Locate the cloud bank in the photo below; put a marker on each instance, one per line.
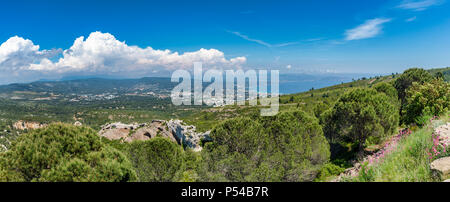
(371, 28)
(102, 53)
(17, 53)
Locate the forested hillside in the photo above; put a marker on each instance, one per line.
(316, 136)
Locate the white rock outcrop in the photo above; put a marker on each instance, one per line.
(117, 131)
(27, 125)
(174, 130)
(187, 135)
(441, 168)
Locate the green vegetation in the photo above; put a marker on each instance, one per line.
(426, 100)
(62, 152)
(408, 162)
(93, 102)
(387, 89)
(362, 114)
(441, 72)
(287, 147)
(314, 137)
(328, 171)
(408, 78)
(156, 160)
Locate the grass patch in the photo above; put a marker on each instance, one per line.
(409, 162)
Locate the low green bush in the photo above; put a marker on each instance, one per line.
(156, 160)
(63, 152)
(327, 171)
(426, 100)
(359, 115)
(287, 147)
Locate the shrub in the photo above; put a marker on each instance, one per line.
(360, 114)
(319, 108)
(409, 162)
(157, 159)
(287, 147)
(387, 89)
(327, 171)
(425, 100)
(234, 142)
(409, 76)
(366, 174)
(300, 139)
(62, 152)
(328, 121)
(405, 81)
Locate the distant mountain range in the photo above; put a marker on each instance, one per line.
(289, 83)
(93, 86)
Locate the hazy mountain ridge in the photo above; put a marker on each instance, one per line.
(294, 83)
(92, 85)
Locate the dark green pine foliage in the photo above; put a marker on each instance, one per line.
(62, 152)
(426, 100)
(406, 80)
(361, 114)
(287, 147)
(156, 160)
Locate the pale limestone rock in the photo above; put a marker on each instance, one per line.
(26, 125)
(187, 135)
(441, 167)
(444, 133)
(174, 130)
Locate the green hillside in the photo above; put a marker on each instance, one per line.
(306, 101)
(445, 72)
(313, 101)
(315, 136)
(320, 103)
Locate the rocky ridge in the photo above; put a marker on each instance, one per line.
(174, 130)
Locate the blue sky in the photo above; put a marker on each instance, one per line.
(130, 37)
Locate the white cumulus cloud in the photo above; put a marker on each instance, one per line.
(368, 29)
(102, 53)
(18, 53)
